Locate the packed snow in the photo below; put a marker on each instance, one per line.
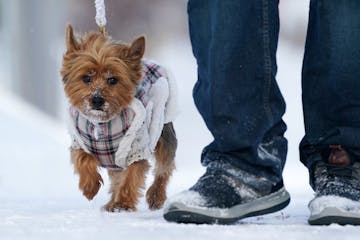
(40, 199)
(347, 205)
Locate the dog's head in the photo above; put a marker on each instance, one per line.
(100, 76)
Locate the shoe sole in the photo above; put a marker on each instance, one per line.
(180, 213)
(334, 215)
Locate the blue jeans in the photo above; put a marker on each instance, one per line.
(235, 43)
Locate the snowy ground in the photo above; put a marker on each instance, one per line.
(38, 191)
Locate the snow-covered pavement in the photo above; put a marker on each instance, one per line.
(76, 219)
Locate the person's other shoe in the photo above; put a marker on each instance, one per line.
(337, 187)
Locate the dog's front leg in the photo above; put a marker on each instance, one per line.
(127, 186)
(86, 166)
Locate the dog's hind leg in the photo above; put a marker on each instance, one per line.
(86, 166)
(126, 186)
(165, 164)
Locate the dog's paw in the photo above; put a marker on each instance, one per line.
(155, 197)
(118, 207)
(90, 185)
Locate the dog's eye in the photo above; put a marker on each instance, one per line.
(112, 80)
(86, 79)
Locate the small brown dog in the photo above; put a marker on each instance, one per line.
(121, 113)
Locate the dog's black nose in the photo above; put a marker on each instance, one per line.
(98, 101)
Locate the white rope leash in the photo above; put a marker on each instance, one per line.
(100, 14)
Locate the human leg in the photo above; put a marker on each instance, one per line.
(234, 42)
(331, 102)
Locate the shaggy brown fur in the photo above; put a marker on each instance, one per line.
(126, 186)
(86, 166)
(165, 154)
(97, 57)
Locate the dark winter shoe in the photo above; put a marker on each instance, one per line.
(337, 186)
(220, 197)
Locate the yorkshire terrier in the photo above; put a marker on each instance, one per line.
(121, 113)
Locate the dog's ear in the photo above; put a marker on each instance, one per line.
(71, 43)
(137, 48)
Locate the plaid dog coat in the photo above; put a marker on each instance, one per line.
(133, 134)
